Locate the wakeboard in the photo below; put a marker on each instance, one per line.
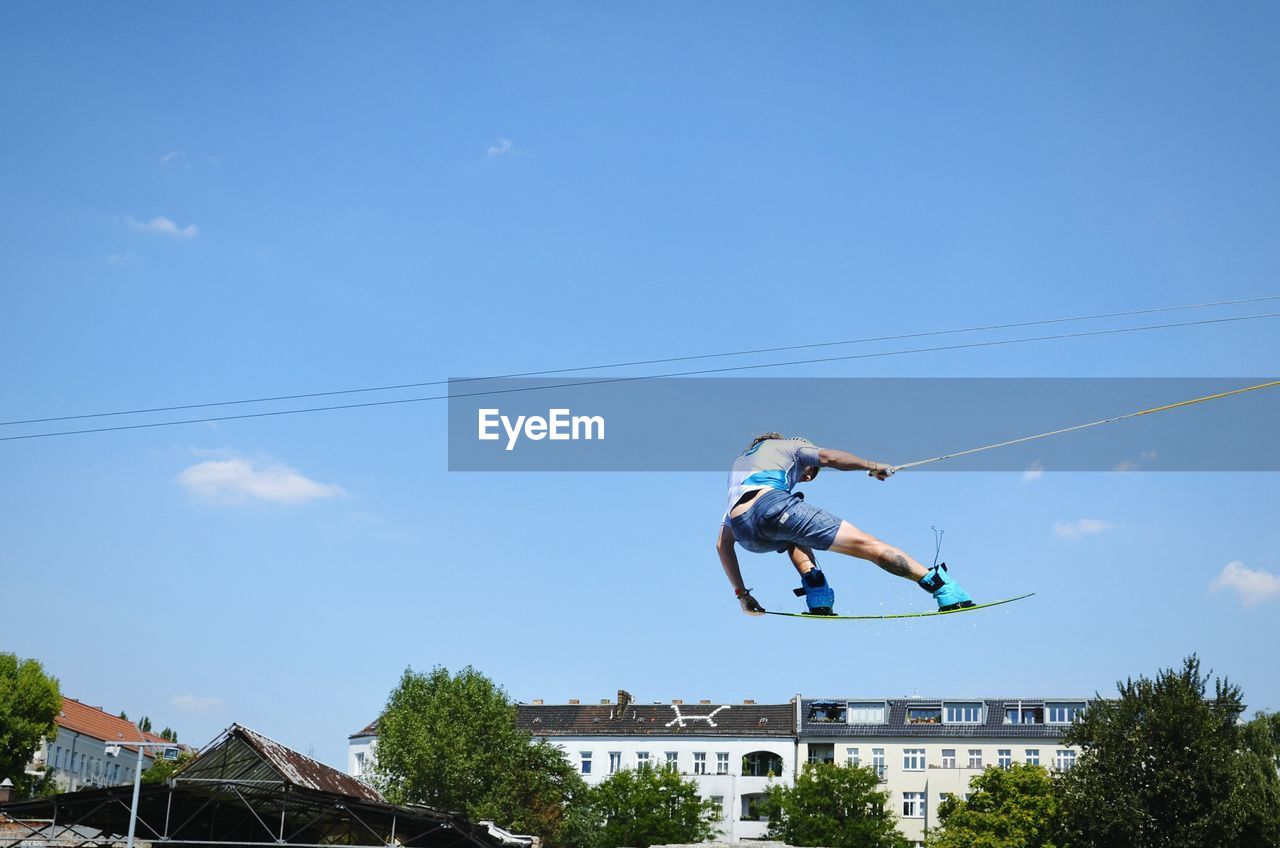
(973, 608)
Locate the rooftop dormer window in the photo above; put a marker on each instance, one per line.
(827, 712)
(1063, 712)
(1024, 714)
(866, 712)
(924, 715)
(966, 712)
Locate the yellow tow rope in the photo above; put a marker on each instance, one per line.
(896, 468)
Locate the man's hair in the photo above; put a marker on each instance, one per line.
(764, 437)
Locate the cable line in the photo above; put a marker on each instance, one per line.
(1166, 407)
(607, 380)
(633, 363)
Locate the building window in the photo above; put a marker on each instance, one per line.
(968, 713)
(827, 712)
(673, 760)
(700, 762)
(585, 757)
(822, 753)
(718, 800)
(866, 712)
(615, 762)
(722, 762)
(359, 763)
(975, 758)
(1023, 714)
(1063, 712)
(642, 759)
(851, 756)
(913, 759)
(948, 757)
(877, 762)
(1004, 758)
(761, 764)
(913, 805)
(1064, 759)
(924, 715)
(1033, 756)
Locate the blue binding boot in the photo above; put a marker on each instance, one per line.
(945, 590)
(819, 597)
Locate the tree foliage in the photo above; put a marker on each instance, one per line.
(161, 769)
(1007, 808)
(836, 806)
(647, 806)
(29, 703)
(450, 742)
(1168, 765)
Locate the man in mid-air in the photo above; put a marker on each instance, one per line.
(765, 515)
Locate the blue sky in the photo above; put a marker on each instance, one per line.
(204, 202)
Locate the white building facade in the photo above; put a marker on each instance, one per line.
(923, 749)
(78, 752)
(926, 749)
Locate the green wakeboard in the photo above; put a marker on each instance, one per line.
(899, 614)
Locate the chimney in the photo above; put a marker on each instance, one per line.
(6, 790)
(746, 701)
(676, 701)
(704, 702)
(604, 701)
(624, 698)
(537, 702)
(574, 701)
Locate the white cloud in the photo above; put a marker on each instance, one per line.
(165, 227)
(117, 258)
(1127, 465)
(235, 480)
(194, 704)
(1034, 472)
(1080, 527)
(504, 147)
(1252, 586)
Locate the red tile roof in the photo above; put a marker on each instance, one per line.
(93, 721)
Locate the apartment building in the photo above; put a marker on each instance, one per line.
(77, 753)
(925, 749)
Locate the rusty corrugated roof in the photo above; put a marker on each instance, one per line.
(300, 770)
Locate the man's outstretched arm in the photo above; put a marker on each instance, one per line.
(845, 461)
(729, 561)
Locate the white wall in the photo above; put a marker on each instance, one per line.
(731, 786)
(80, 761)
(933, 780)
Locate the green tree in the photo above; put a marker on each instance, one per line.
(144, 724)
(451, 742)
(162, 769)
(647, 806)
(169, 734)
(836, 806)
(1168, 765)
(1007, 808)
(29, 703)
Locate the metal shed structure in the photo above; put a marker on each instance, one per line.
(247, 791)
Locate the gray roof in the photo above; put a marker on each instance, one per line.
(657, 719)
(992, 725)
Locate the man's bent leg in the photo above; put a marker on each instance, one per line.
(802, 558)
(853, 542)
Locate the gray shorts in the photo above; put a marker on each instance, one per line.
(777, 520)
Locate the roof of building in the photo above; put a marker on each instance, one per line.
(657, 719)
(992, 724)
(99, 724)
(245, 789)
(244, 754)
